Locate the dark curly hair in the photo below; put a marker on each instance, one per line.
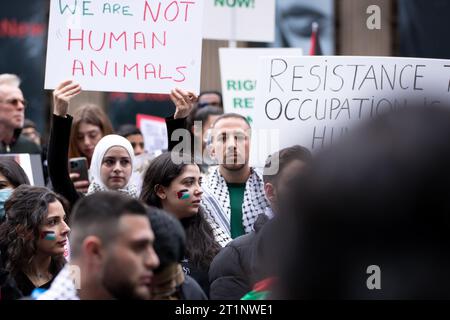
(25, 211)
(201, 246)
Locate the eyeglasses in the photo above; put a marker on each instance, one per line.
(15, 102)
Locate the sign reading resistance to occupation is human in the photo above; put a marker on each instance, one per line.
(148, 46)
(240, 20)
(313, 101)
(238, 72)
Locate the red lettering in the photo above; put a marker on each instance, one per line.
(123, 34)
(103, 42)
(160, 76)
(179, 71)
(94, 65)
(147, 7)
(14, 29)
(76, 39)
(186, 8)
(152, 71)
(154, 37)
(177, 10)
(136, 41)
(74, 67)
(135, 66)
(115, 69)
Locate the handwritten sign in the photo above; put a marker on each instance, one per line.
(239, 71)
(241, 20)
(154, 132)
(313, 101)
(125, 46)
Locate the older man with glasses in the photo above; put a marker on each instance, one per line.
(12, 114)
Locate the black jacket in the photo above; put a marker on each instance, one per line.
(58, 158)
(58, 150)
(241, 264)
(20, 144)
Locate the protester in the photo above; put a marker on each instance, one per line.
(370, 218)
(234, 193)
(30, 131)
(111, 162)
(176, 188)
(170, 282)
(112, 251)
(11, 176)
(134, 135)
(242, 263)
(33, 238)
(12, 114)
(200, 125)
(210, 98)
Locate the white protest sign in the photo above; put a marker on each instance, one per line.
(240, 20)
(239, 71)
(154, 131)
(125, 46)
(312, 101)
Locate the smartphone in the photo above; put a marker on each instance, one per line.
(80, 166)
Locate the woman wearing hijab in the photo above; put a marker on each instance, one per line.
(111, 166)
(112, 160)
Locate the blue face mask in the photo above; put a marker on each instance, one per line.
(4, 195)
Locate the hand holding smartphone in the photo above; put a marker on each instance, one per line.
(79, 166)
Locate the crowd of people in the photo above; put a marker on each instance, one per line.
(204, 224)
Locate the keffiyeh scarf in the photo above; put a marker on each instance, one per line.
(216, 201)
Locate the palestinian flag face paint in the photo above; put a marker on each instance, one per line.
(183, 194)
(48, 235)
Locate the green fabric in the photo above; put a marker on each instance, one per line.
(236, 191)
(256, 295)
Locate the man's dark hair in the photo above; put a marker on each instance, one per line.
(282, 158)
(98, 215)
(203, 113)
(29, 124)
(128, 130)
(170, 238)
(231, 115)
(210, 92)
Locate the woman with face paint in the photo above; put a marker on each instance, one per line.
(176, 188)
(33, 238)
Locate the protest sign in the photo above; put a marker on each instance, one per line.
(154, 132)
(240, 20)
(238, 71)
(126, 46)
(313, 101)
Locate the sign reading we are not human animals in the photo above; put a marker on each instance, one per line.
(125, 46)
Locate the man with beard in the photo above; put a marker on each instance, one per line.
(111, 249)
(12, 115)
(234, 192)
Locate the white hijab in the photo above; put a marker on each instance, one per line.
(106, 143)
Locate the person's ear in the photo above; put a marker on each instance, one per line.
(160, 192)
(93, 249)
(269, 190)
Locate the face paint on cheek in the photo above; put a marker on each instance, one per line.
(48, 235)
(183, 194)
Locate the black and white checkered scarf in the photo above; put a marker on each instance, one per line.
(216, 202)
